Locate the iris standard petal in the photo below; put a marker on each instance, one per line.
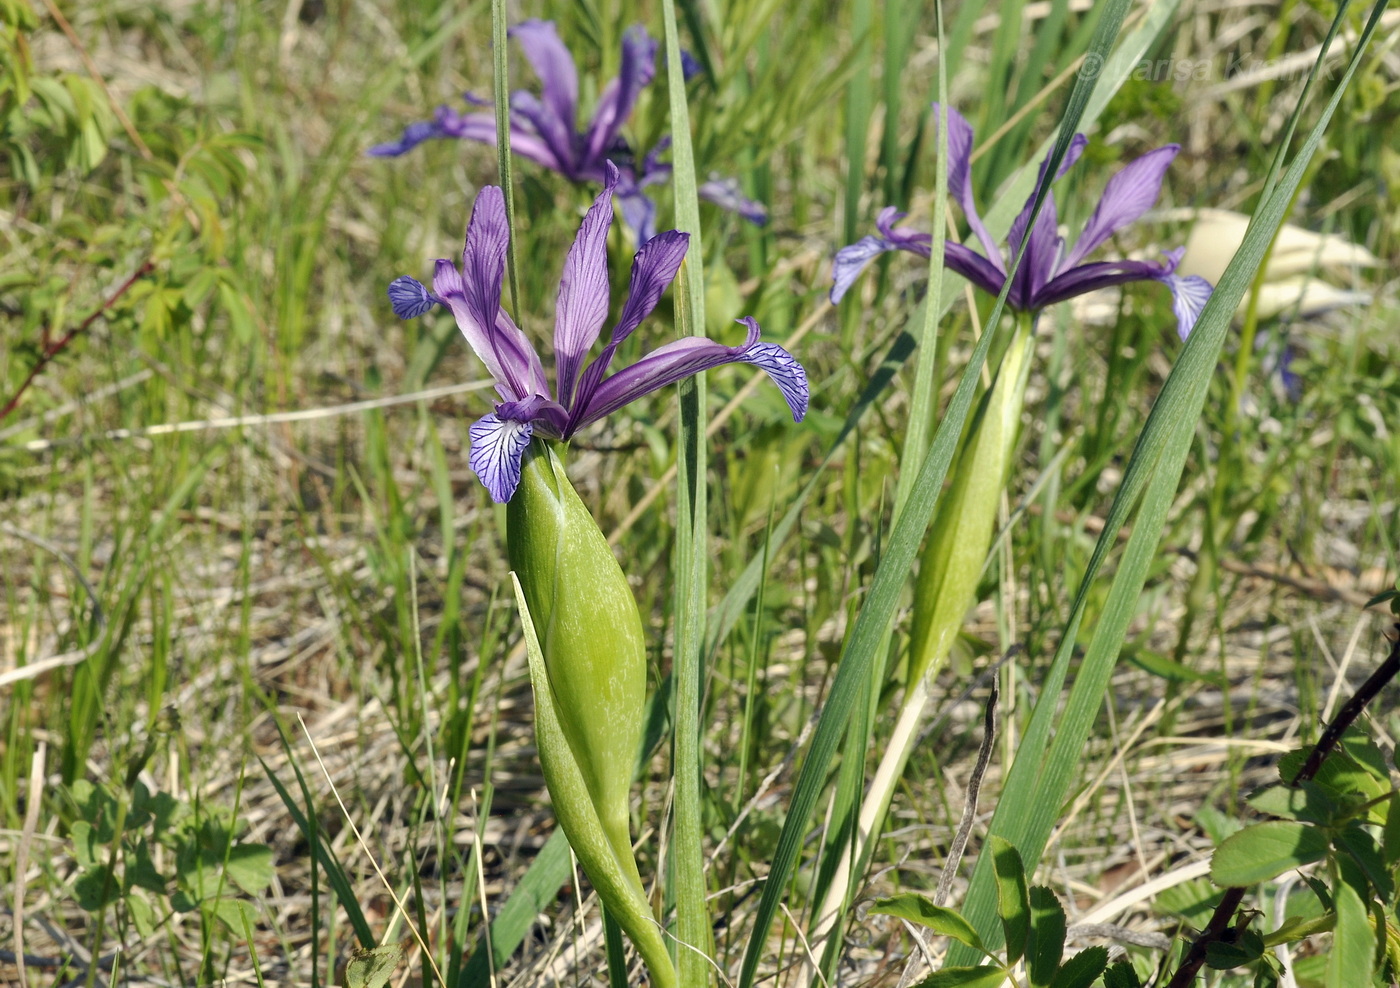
(553, 64)
(410, 298)
(960, 179)
(529, 114)
(653, 268)
(583, 292)
(1077, 145)
(691, 355)
(497, 447)
(1128, 194)
(619, 96)
(1042, 255)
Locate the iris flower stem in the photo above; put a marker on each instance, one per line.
(965, 524)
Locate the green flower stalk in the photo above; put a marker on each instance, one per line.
(587, 653)
(589, 674)
(951, 566)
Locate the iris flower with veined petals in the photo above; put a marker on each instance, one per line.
(1047, 274)
(582, 394)
(545, 130)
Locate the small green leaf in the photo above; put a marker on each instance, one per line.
(249, 866)
(1247, 948)
(1309, 802)
(373, 968)
(1047, 937)
(96, 889)
(1121, 975)
(143, 917)
(1081, 969)
(141, 871)
(984, 976)
(85, 845)
(1266, 850)
(1362, 848)
(237, 914)
(1013, 902)
(1350, 962)
(920, 909)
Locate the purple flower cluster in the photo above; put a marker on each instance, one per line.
(581, 394)
(1047, 274)
(545, 130)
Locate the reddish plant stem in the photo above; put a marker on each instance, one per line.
(51, 348)
(1225, 911)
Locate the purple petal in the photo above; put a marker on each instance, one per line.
(554, 65)
(583, 292)
(1129, 194)
(974, 267)
(619, 96)
(1189, 297)
(688, 356)
(497, 447)
(413, 135)
(410, 298)
(474, 296)
(653, 268)
(1018, 225)
(727, 194)
(960, 179)
(690, 68)
(1043, 252)
(1095, 275)
(538, 122)
(851, 260)
(639, 213)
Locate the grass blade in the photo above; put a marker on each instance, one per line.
(688, 861)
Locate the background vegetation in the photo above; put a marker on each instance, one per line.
(260, 670)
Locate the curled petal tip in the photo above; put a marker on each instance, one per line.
(410, 298)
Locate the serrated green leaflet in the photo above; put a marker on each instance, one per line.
(374, 967)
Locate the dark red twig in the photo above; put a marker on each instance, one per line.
(1225, 911)
(52, 348)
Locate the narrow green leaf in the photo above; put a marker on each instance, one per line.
(1266, 850)
(1046, 944)
(325, 854)
(693, 928)
(1351, 959)
(921, 910)
(1013, 901)
(1082, 969)
(537, 889)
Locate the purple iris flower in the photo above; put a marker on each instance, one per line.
(1048, 274)
(545, 128)
(582, 394)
